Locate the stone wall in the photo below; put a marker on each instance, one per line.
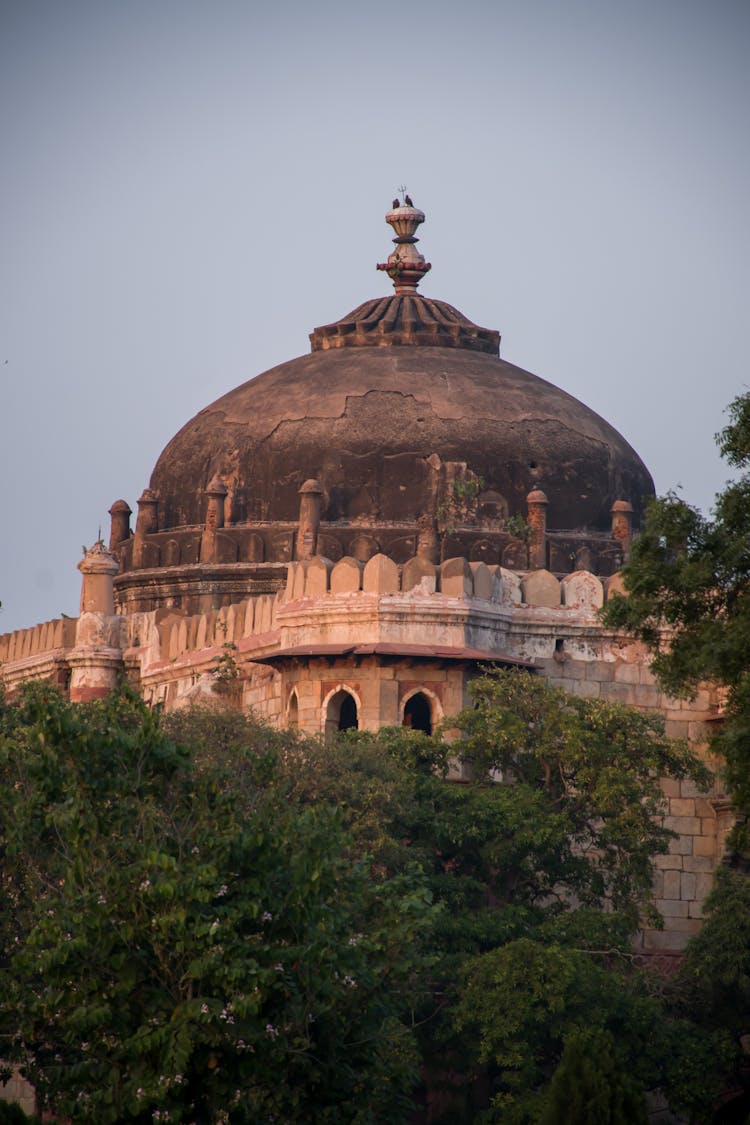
(18, 1090)
(38, 653)
(39, 639)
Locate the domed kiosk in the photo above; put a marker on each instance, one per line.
(417, 437)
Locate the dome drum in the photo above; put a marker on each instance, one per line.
(253, 560)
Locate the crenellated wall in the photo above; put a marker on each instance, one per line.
(455, 577)
(38, 653)
(37, 640)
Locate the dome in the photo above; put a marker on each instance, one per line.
(417, 438)
(376, 424)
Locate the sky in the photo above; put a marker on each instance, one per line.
(189, 188)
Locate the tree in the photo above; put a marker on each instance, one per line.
(178, 943)
(718, 958)
(688, 599)
(542, 867)
(715, 977)
(589, 1087)
(203, 861)
(688, 586)
(582, 775)
(12, 1114)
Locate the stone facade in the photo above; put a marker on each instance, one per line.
(18, 1090)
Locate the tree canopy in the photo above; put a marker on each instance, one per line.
(204, 920)
(688, 587)
(688, 599)
(180, 944)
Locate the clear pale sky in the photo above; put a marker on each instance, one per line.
(189, 188)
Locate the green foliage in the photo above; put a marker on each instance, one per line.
(206, 918)
(12, 1114)
(588, 1087)
(467, 489)
(178, 939)
(542, 869)
(688, 583)
(734, 439)
(226, 672)
(520, 528)
(526, 1001)
(715, 977)
(592, 768)
(569, 861)
(458, 503)
(718, 959)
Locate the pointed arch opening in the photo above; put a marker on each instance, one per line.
(418, 712)
(341, 713)
(292, 714)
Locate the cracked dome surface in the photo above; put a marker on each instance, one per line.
(371, 423)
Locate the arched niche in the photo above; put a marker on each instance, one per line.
(419, 712)
(341, 712)
(492, 507)
(292, 712)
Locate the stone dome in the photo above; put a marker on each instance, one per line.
(402, 432)
(374, 419)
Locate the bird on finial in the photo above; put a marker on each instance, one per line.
(407, 201)
(396, 203)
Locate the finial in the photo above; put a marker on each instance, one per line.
(405, 266)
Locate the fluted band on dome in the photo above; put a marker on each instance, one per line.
(405, 320)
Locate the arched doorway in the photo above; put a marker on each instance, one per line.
(341, 713)
(418, 713)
